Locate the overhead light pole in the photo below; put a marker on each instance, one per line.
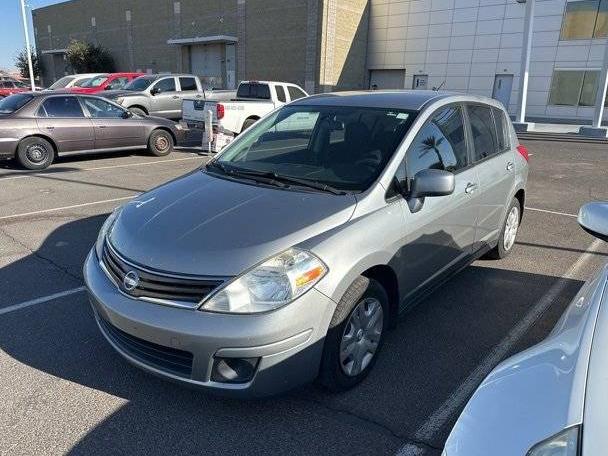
(27, 45)
(525, 64)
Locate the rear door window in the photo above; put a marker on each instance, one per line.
(280, 93)
(187, 84)
(483, 131)
(61, 107)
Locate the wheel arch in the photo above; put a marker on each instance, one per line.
(168, 130)
(143, 108)
(387, 277)
(38, 135)
(520, 195)
(255, 118)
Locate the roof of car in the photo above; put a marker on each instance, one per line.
(403, 99)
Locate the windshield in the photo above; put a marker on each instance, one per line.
(343, 147)
(12, 103)
(62, 83)
(95, 82)
(139, 84)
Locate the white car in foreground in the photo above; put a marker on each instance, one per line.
(552, 399)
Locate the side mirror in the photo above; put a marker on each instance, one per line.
(429, 183)
(593, 218)
(155, 91)
(127, 114)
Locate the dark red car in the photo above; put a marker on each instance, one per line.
(8, 87)
(110, 81)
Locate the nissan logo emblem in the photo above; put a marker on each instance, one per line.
(130, 281)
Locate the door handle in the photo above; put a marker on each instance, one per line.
(470, 188)
(175, 97)
(102, 126)
(50, 128)
(509, 166)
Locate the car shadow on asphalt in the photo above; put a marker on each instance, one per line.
(433, 349)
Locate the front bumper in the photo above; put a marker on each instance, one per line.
(8, 146)
(288, 341)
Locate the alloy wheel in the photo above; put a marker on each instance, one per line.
(361, 336)
(511, 228)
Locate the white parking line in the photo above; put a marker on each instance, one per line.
(33, 302)
(457, 399)
(550, 212)
(126, 165)
(74, 206)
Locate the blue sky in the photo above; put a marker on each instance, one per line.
(11, 32)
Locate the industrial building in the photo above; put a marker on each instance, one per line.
(464, 45)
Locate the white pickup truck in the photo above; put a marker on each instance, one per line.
(254, 99)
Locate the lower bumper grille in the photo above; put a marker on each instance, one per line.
(172, 360)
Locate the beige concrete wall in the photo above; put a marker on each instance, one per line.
(344, 26)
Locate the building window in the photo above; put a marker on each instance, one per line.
(585, 19)
(574, 88)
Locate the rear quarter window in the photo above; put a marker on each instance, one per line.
(502, 129)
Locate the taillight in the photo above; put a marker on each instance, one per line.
(220, 111)
(523, 152)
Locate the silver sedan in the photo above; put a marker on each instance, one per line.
(539, 402)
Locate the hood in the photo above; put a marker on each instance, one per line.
(86, 89)
(120, 93)
(205, 225)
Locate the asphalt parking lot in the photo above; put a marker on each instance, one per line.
(65, 391)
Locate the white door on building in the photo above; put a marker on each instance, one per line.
(503, 83)
(387, 79)
(206, 63)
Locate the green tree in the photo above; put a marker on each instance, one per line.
(84, 57)
(21, 64)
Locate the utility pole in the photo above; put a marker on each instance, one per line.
(27, 45)
(525, 62)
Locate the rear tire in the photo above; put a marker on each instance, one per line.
(508, 234)
(160, 143)
(248, 123)
(35, 153)
(355, 335)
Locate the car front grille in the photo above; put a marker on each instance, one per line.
(167, 359)
(155, 287)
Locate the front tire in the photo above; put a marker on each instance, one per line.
(508, 234)
(355, 335)
(160, 143)
(35, 153)
(138, 111)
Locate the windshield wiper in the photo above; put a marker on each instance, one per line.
(247, 174)
(291, 180)
(273, 178)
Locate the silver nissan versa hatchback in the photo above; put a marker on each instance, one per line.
(290, 254)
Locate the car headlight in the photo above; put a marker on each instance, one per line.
(119, 100)
(564, 443)
(105, 229)
(272, 284)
